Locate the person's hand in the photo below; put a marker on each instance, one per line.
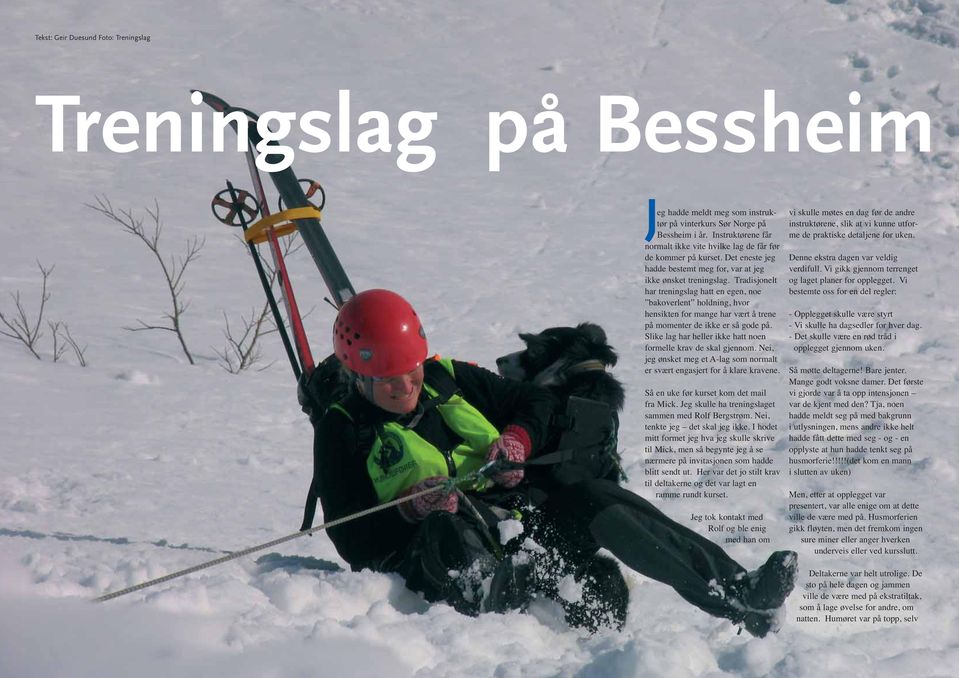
(417, 509)
(512, 446)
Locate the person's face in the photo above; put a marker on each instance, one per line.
(398, 394)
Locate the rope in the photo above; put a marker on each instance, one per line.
(448, 486)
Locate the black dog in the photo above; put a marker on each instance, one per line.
(572, 362)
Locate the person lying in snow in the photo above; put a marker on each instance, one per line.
(410, 423)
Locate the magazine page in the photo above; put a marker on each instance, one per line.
(709, 246)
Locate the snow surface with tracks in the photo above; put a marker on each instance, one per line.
(140, 464)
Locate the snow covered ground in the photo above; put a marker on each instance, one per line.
(140, 464)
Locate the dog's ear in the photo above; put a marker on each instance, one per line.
(608, 356)
(597, 336)
(593, 332)
(537, 345)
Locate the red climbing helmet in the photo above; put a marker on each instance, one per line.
(378, 334)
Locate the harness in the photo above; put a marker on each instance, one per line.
(588, 443)
(397, 457)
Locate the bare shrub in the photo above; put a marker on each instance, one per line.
(173, 267)
(243, 350)
(20, 327)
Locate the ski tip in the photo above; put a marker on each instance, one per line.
(211, 100)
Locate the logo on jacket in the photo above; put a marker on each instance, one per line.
(390, 452)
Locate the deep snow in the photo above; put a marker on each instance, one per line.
(139, 464)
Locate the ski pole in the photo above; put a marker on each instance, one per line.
(270, 298)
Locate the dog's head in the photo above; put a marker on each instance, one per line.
(550, 354)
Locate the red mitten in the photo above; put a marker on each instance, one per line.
(513, 445)
(417, 509)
